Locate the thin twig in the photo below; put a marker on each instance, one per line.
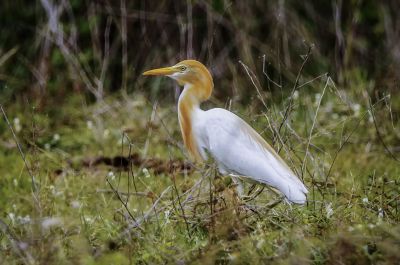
(312, 80)
(125, 204)
(156, 203)
(180, 205)
(16, 244)
(106, 52)
(266, 73)
(34, 187)
(346, 141)
(124, 46)
(189, 30)
(379, 134)
(290, 106)
(139, 194)
(212, 205)
(252, 76)
(53, 12)
(151, 210)
(4, 57)
(312, 128)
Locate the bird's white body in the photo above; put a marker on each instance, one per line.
(233, 145)
(236, 147)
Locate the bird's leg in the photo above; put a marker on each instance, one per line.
(239, 185)
(254, 192)
(251, 189)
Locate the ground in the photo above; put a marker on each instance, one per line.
(114, 185)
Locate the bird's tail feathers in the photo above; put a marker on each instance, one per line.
(293, 189)
(296, 195)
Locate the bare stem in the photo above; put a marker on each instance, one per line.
(295, 87)
(34, 187)
(15, 244)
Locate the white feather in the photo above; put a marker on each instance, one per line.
(239, 150)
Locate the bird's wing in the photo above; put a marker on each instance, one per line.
(240, 149)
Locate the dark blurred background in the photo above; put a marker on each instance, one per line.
(50, 49)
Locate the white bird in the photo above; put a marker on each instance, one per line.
(235, 146)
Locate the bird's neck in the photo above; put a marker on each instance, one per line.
(188, 107)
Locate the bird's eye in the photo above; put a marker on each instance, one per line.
(182, 68)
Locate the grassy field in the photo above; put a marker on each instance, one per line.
(114, 186)
(92, 165)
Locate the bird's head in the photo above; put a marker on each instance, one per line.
(188, 72)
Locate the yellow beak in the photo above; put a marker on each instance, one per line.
(161, 71)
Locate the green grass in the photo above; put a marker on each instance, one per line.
(352, 216)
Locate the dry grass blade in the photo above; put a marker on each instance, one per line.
(254, 80)
(8, 55)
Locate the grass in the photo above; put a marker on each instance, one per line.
(83, 215)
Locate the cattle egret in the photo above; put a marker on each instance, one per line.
(235, 146)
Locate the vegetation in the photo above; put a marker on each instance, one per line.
(92, 167)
